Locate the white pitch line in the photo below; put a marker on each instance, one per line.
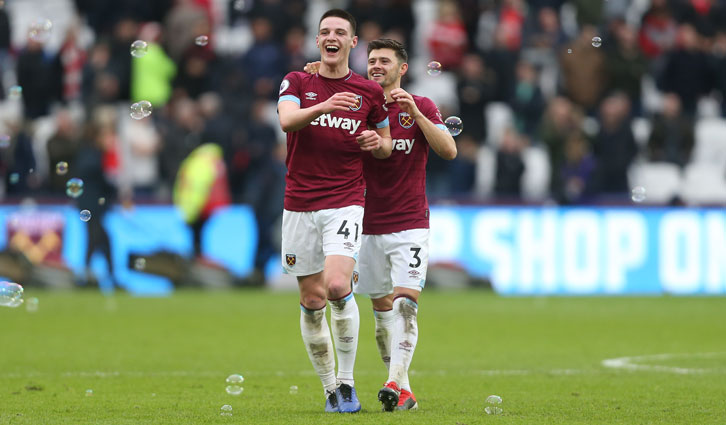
(209, 374)
(634, 363)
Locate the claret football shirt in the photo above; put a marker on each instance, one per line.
(324, 161)
(396, 194)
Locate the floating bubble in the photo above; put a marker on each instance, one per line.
(85, 215)
(139, 48)
(61, 168)
(226, 410)
(434, 68)
(146, 107)
(493, 402)
(74, 187)
(596, 41)
(140, 263)
(39, 30)
(638, 194)
(15, 92)
(239, 5)
(4, 141)
(137, 111)
(89, 392)
(293, 389)
(569, 51)
(14, 178)
(202, 40)
(454, 125)
(32, 305)
(234, 384)
(11, 294)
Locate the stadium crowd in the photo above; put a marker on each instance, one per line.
(548, 90)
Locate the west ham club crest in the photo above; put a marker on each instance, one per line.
(290, 259)
(405, 120)
(358, 103)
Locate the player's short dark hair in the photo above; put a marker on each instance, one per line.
(339, 13)
(387, 43)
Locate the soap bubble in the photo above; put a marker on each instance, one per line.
(139, 49)
(434, 68)
(454, 125)
(493, 402)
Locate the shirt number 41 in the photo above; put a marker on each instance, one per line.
(343, 230)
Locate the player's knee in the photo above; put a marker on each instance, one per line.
(313, 301)
(338, 287)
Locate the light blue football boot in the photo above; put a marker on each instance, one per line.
(347, 399)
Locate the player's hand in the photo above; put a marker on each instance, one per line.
(339, 102)
(405, 102)
(312, 67)
(369, 140)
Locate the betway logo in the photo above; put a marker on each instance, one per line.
(326, 120)
(403, 145)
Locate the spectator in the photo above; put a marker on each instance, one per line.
(91, 166)
(717, 59)
(544, 31)
(19, 160)
(658, 30)
(39, 74)
(72, 58)
(687, 71)
(62, 146)
(263, 63)
(180, 134)
(503, 61)
(509, 165)
(183, 24)
(447, 39)
(527, 102)
(153, 73)
(584, 70)
(475, 88)
(614, 145)
(101, 82)
(672, 134)
(561, 119)
(577, 171)
(626, 65)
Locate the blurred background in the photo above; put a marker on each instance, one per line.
(140, 149)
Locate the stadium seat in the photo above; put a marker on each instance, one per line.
(703, 184)
(641, 131)
(661, 180)
(536, 177)
(710, 143)
(499, 117)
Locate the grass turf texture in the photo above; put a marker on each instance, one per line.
(165, 360)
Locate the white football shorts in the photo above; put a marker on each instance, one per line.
(310, 236)
(394, 259)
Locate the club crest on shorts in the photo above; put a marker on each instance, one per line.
(405, 120)
(290, 259)
(355, 278)
(358, 103)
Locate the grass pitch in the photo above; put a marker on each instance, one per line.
(165, 360)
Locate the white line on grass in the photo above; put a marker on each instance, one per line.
(636, 363)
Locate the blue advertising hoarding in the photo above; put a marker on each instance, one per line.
(585, 250)
(523, 250)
